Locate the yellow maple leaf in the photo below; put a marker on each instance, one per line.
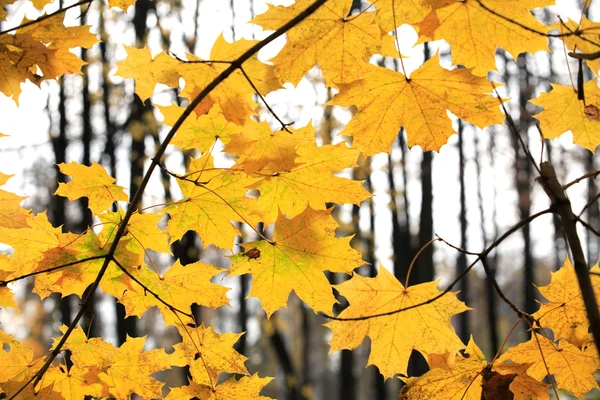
(199, 131)
(564, 312)
(12, 215)
(74, 382)
(130, 369)
(564, 112)
(463, 23)
(75, 278)
(387, 100)
(54, 34)
(122, 4)
(303, 248)
(245, 388)
(87, 352)
(393, 13)
(213, 198)
(260, 149)
(312, 182)
(92, 182)
(142, 230)
(573, 369)
(461, 379)
(521, 385)
(208, 354)
(235, 94)
(148, 71)
(340, 45)
(15, 359)
(30, 243)
(44, 45)
(425, 328)
(587, 31)
(180, 286)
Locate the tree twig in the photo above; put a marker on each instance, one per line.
(284, 125)
(147, 289)
(592, 175)
(4, 283)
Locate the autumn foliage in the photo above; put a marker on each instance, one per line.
(286, 178)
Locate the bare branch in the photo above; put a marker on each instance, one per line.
(4, 283)
(592, 175)
(284, 125)
(509, 232)
(148, 290)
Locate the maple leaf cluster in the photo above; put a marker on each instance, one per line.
(284, 178)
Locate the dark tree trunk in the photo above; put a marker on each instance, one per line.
(492, 313)
(461, 263)
(522, 179)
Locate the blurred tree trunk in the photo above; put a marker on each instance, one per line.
(593, 212)
(401, 237)
(461, 262)
(140, 124)
(492, 312)
(522, 182)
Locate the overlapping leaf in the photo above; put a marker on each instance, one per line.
(564, 312)
(572, 368)
(180, 287)
(312, 182)
(459, 379)
(213, 198)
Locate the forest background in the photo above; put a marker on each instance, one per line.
(476, 187)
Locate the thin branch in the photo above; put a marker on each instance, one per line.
(175, 56)
(588, 205)
(506, 234)
(588, 226)
(147, 289)
(592, 175)
(513, 127)
(155, 161)
(284, 125)
(44, 17)
(486, 266)
(4, 283)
